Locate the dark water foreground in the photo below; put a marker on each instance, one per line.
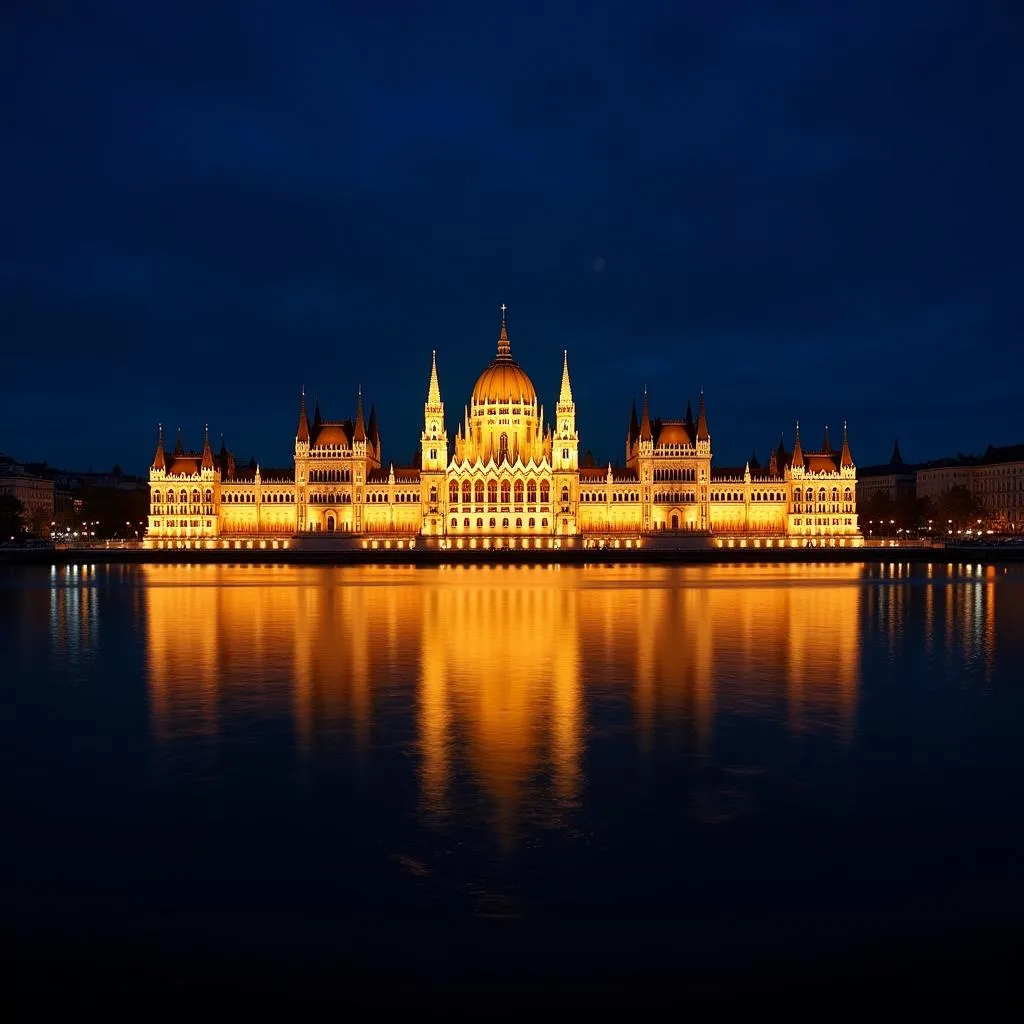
(545, 786)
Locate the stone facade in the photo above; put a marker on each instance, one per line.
(506, 479)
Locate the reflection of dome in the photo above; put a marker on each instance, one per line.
(504, 380)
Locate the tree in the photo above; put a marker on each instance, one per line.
(959, 505)
(12, 521)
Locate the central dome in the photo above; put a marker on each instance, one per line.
(504, 380)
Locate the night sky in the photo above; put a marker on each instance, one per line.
(816, 215)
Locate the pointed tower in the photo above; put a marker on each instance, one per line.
(179, 446)
(565, 444)
(359, 433)
(302, 431)
(373, 433)
(797, 462)
(433, 458)
(703, 445)
(846, 459)
(159, 461)
(157, 476)
(633, 434)
(897, 458)
(703, 434)
(691, 427)
(317, 418)
(566, 441)
(301, 458)
(646, 434)
(206, 466)
(827, 444)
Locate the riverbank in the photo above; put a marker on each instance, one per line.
(973, 554)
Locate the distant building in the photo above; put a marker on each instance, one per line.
(34, 493)
(507, 479)
(894, 479)
(995, 480)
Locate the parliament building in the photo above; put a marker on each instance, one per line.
(507, 479)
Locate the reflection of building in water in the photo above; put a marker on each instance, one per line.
(490, 663)
(74, 611)
(500, 678)
(728, 640)
(245, 641)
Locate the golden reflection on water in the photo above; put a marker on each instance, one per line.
(501, 671)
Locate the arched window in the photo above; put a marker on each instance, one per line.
(503, 448)
(492, 491)
(184, 497)
(465, 524)
(453, 492)
(519, 492)
(519, 524)
(835, 493)
(798, 495)
(455, 523)
(545, 492)
(208, 498)
(492, 525)
(504, 523)
(433, 495)
(847, 495)
(479, 524)
(821, 494)
(156, 497)
(533, 523)
(467, 492)
(506, 492)
(531, 492)
(478, 492)
(565, 495)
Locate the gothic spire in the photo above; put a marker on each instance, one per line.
(179, 445)
(504, 348)
(798, 452)
(846, 460)
(690, 427)
(827, 446)
(302, 432)
(372, 432)
(645, 421)
(360, 427)
(634, 425)
(207, 450)
(434, 390)
(703, 434)
(317, 419)
(565, 394)
(897, 459)
(159, 462)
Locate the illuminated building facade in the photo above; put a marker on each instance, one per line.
(507, 479)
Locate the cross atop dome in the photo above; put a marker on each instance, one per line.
(504, 348)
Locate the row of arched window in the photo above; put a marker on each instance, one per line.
(675, 474)
(673, 497)
(341, 476)
(471, 492)
(755, 496)
(823, 495)
(492, 523)
(329, 498)
(381, 497)
(589, 496)
(183, 496)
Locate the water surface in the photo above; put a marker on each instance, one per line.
(372, 762)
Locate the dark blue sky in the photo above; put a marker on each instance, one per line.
(812, 209)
